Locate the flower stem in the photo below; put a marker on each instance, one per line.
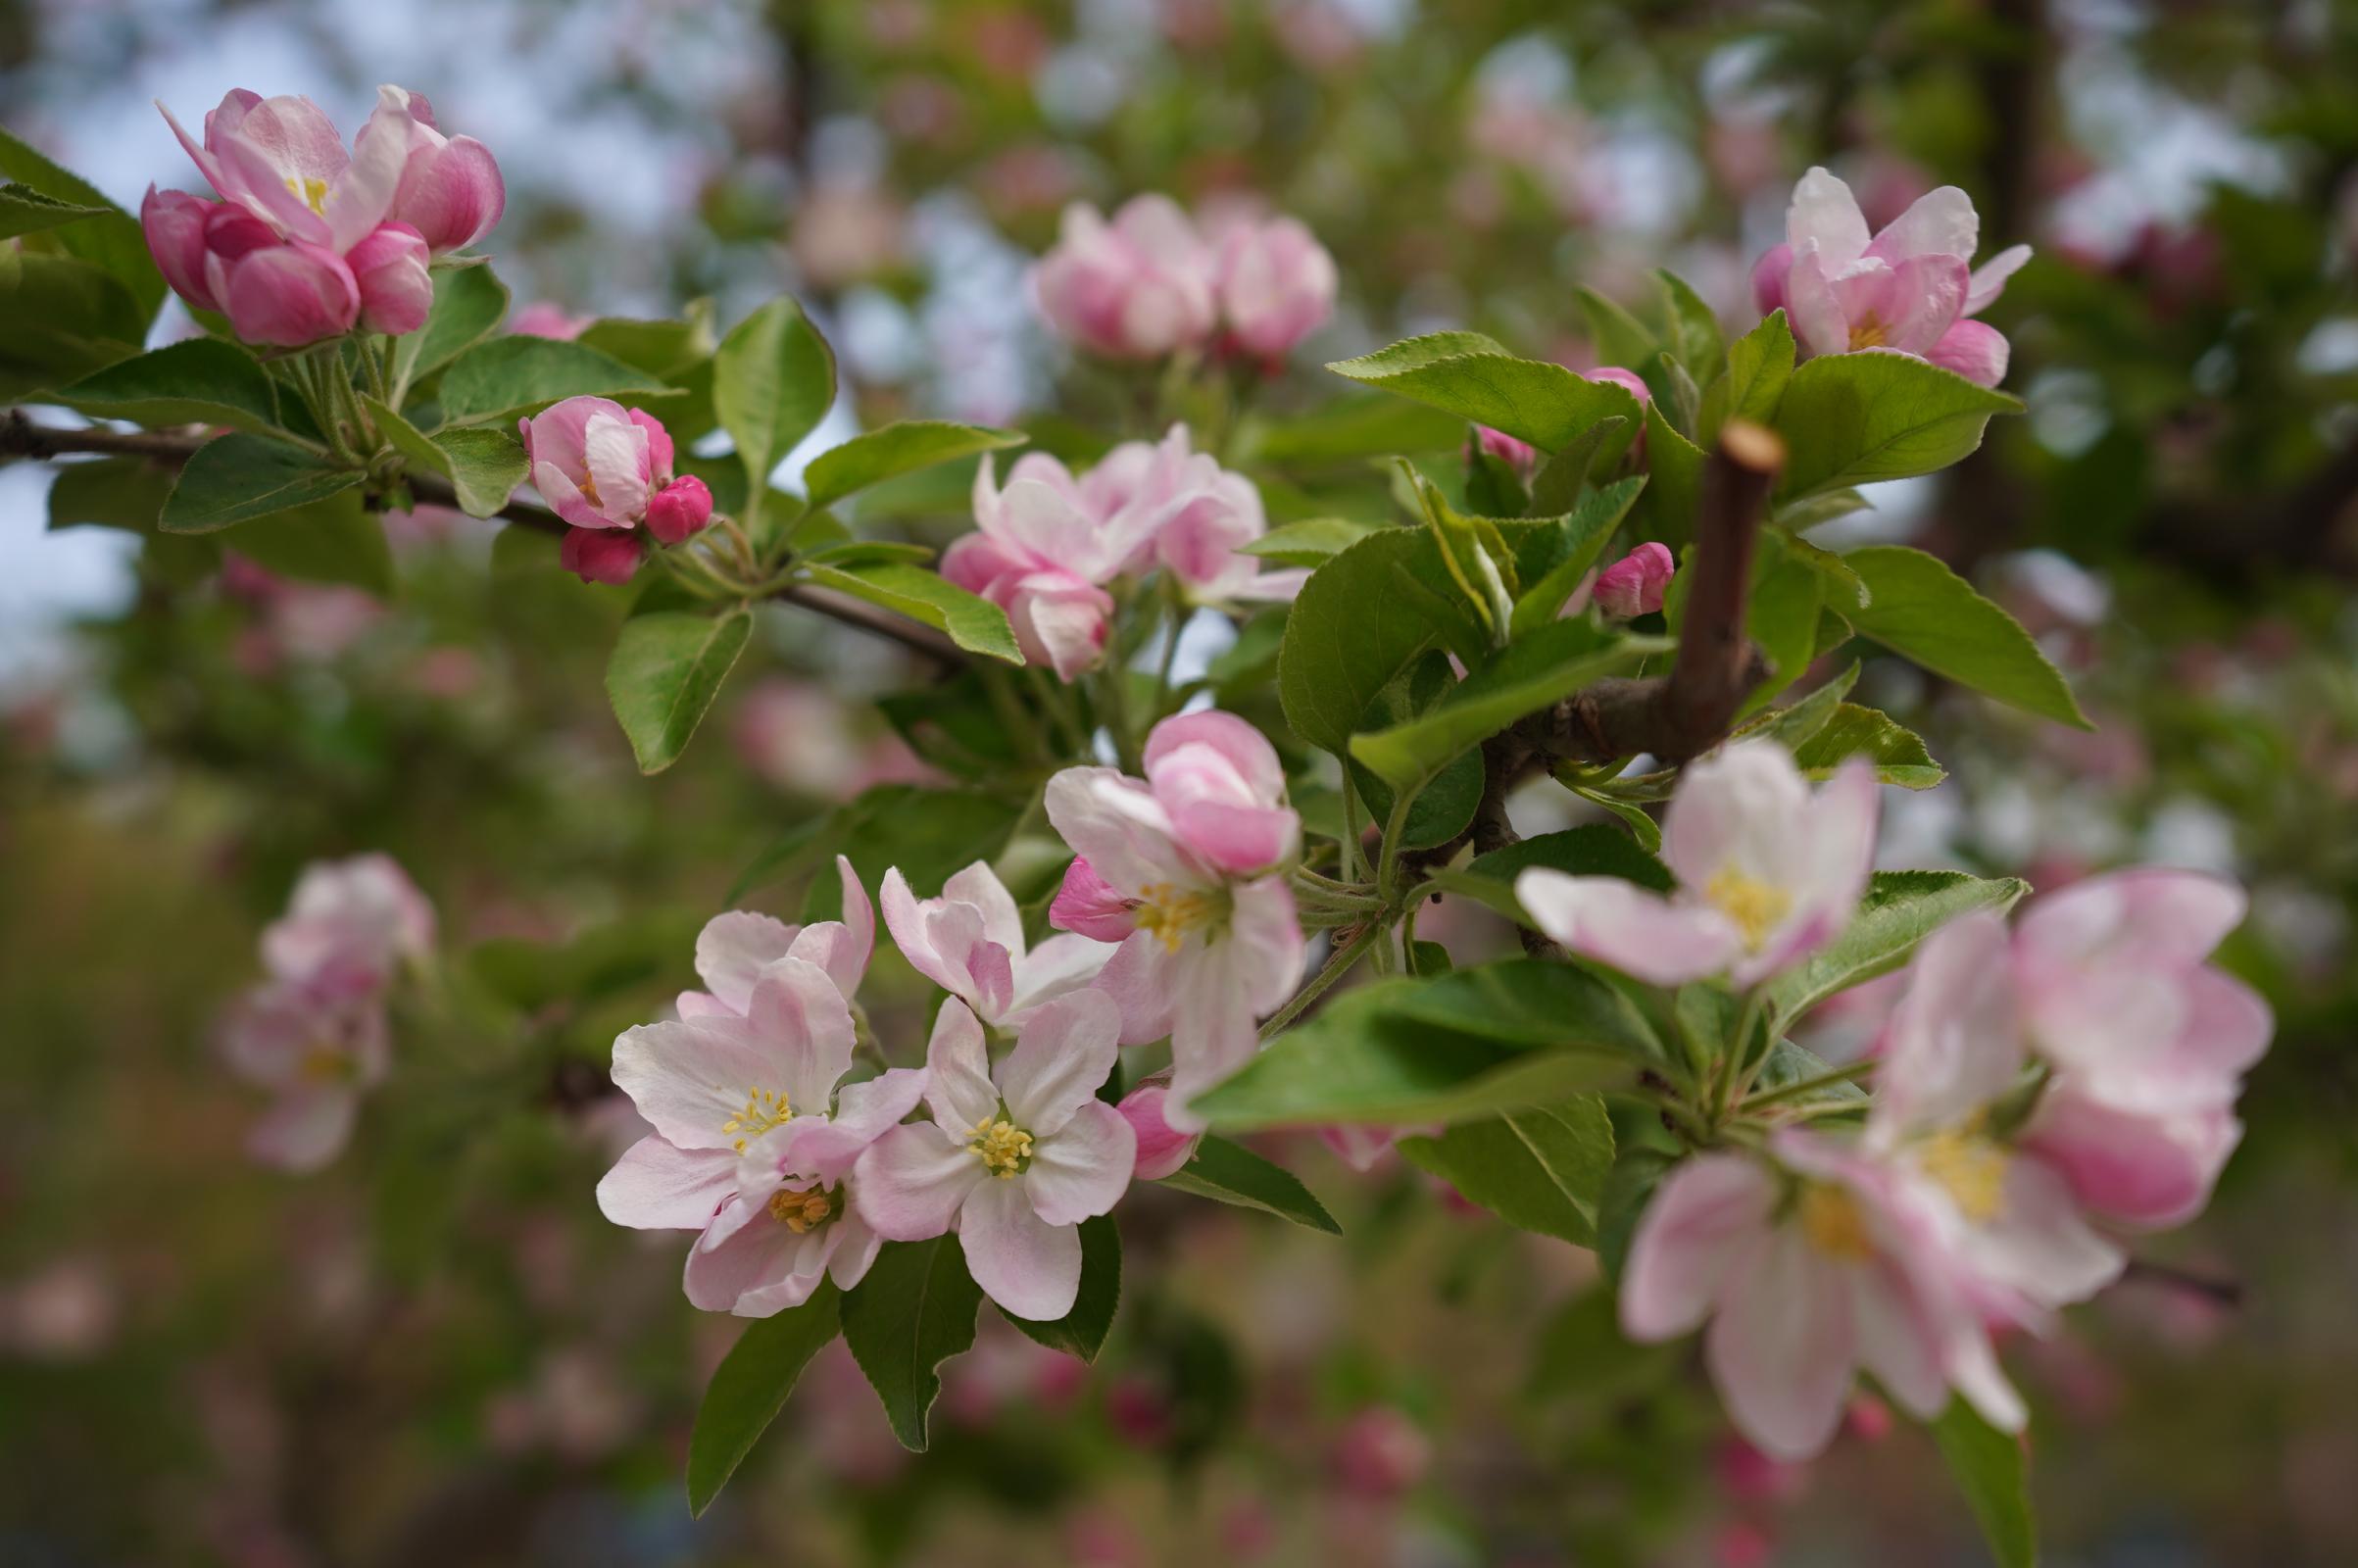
(1336, 966)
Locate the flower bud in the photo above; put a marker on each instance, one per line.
(1634, 585)
(1161, 1149)
(1518, 455)
(284, 294)
(600, 554)
(396, 289)
(1137, 288)
(173, 223)
(679, 509)
(1277, 285)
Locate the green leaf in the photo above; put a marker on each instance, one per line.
(1620, 338)
(1344, 428)
(1551, 664)
(1759, 364)
(665, 348)
(1676, 466)
(928, 833)
(773, 379)
(1578, 542)
(497, 381)
(1542, 1169)
(1471, 376)
(60, 318)
(665, 672)
(484, 466)
(126, 493)
(1899, 753)
(749, 1387)
(1928, 614)
(1781, 616)
(915, 1310)
(324, 541)
(1082, 1330)
(1995, 1476)
(1562, 479)
(111, 240)
(1793, 725)
(26, 210)
(1308, 542)
(1848, 418)
(1627, 1190)
(894, 449)
(971, 621)
(1592, 849)
(238, 478)
(1900, 910)
(201, 381)
(469, 303)
(1696, 340)
(1500, 1037)
(1444, 807)
(1810, 512)
(1234, 1174)
(1354, 627)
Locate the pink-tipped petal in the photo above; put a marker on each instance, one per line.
(655, 1186)
(1691, 1234)
(1628, 928)
(1030, 1267)
(1066, 1051)
(911, 1183)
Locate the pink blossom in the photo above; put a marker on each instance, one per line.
(1041, 548)
(315, 1047)
(1364, 1148)
(756, 1137)
(600, 554)
(1518, 455)
(1911, 288)
(1013, 1161)
(734, 949)
(1809, 1269)
(282, 160)
(349, 925)
(1204, 516)
(1629, 381)
(1138, 287)
(596, 463)
(1768, 872)
(1276, 285)
(1635, 584)
(1381, 1454)
(970, 942)
(173, 223)
(540, 319)
(1192, 858)
(679, 509)
(451, 191)
(1161, 1148)
(389, 268)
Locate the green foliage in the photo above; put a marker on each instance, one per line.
(1993, 1474)
(1900, 910)
(1234, 1174)
(1473, 377)
(1574, 543)
(751, 1387)
(971, 621)
(875, 456)
(663, 673)
(237, 477)
(1899, 753)
(773, 379)
(1309, 542)
(331, 541)
(483, 466)
(913, 1311)
(500, 380)
(60, 318)
(1848, 418)
(1082, 1330)
(1922, 610)
(469, 302)
(106, 238)
(1542, 1168)
(1354, 627)
(199, 381)
(26, 210)
(928, 833)
(1759, 364)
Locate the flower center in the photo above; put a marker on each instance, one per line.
(802, 1212)
(1170, 912)
(1831, 1220)
(324, 1064)
(1004, 1149)
(1971, 1169)
(312, 189)
(1869, 333)
(588, 486)
(1754, 904)
(762, 1111)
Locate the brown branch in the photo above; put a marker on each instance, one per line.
(1687, 711)
(21, 437)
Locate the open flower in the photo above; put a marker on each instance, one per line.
(1186, 870)
(1013, 1161)
(317, 1047)
(1204, 516)
(1041, 552)
(1809, 1269)
(734, 949)
(1768, 872)
(753, 1145)
(1276, 285)
(349, 925)
(1911, 288)
(1138, 287)
(970, 943)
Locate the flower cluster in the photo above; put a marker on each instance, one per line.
(1154, 282)
(1048, 543)
(1911, 289)
(314, 1033)
(605, 470)
(308, 240)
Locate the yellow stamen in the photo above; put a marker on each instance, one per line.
(1831, 1220)
(1170, 912)
(802, 1213)
(589, 491)
(1868, 334)
(1004, 1148)
(762, 1111)
(312, 190)
(1970, 1168)
(1754, 904)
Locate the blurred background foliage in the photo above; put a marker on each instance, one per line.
(438, 1350)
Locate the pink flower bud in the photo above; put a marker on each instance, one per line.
(1277, 285)
(1632, 585)
(284, 294)
(1629, 381)
(679, 509)
(1975, 350)
(1090, 906)
(175, 224)
(543, 320)
(451, 191)
(1768, 278)
(596, 463)
(1518, 455)
(600, 554)
(1161, 1150)
(1138, 287)
(396, 289)
(1381, 1454)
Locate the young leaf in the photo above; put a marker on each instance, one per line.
(1928, 614)
(1594, 850)
(1542, 1169)
(883, 454)
(497, 381)
(1900, 910)
(1848, 418)
(1782, 617)
(1696, 340)
(1354, 627)
(971, 621)
(773, 379)
(236, 478)
(1231, 1173)
(915, 1310)
(1309, 542)
(1759, 364)
(26, 210)
(1675, 466)
(60, 318)
(1574, 545)
(201, 381)
(1082, 1330)
(1795, 724)
(1620, 337)
(483, 465)
(1471, 376)
(1899, 753)
(749, 1387)
(1346, 428)
(665, 672)
(110, 241)
(1994, 1477)
(468, 305)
